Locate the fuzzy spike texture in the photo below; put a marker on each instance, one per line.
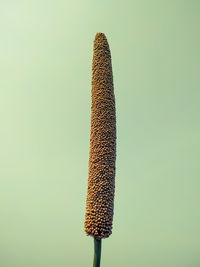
(102, 156)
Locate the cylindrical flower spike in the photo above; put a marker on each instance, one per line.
(102, 156)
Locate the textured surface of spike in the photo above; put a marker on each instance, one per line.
(102, 156)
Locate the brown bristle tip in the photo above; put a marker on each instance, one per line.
(100, 35)
(100, 38)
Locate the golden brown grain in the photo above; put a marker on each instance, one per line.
(102, 156)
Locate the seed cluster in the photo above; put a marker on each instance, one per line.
(102, 156)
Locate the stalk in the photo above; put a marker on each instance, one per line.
(97, 252)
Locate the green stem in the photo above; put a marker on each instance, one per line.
(97, 252)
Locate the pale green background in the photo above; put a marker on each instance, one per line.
(45, 76)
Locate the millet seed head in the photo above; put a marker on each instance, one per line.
(102, 155)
